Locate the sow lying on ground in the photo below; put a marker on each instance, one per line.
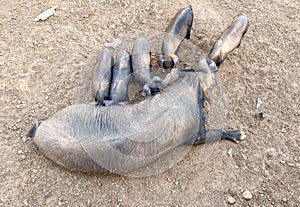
(115, 136)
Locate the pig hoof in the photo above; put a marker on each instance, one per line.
(146, 91)
(243, 136)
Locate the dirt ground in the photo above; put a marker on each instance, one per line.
(41, 63)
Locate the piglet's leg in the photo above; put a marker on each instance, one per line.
(229, 40)
(141, 67)
(102, 76)
(118, 93)
(178, 29)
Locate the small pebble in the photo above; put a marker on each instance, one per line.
(259, 102)
(234, 190)
(25, 202)
(20, 152)
(231, 200)
(291, 164)
(260, 116)
(247, 195)
(244, 156)
(271, 153)
(230, 152)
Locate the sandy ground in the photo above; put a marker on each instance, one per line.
(41, 63)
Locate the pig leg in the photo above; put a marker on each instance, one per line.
(141, 67)
(102, 76)
(121, 74)
(178, 29)
(214, 135)
(229, 40)
(152, 87)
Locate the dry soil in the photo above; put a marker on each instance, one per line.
(41, 63)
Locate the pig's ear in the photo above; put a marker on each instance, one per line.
(229, 40)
